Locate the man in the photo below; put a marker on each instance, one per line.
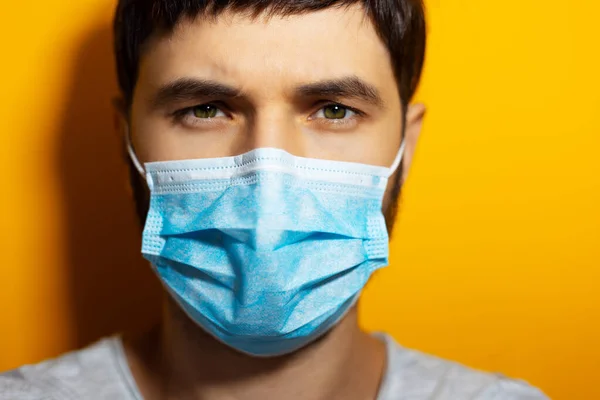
(267, 139)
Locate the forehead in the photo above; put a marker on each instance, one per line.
(270, 51)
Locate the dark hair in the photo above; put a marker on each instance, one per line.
(399, 23)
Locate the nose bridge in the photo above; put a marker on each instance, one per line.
(276, 125)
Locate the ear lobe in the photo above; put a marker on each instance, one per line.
(414, 121)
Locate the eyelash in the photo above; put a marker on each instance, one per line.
(180, 115)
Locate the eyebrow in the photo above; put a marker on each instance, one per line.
(350, 87)
(189, 89)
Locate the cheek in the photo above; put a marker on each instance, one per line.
(386, 139)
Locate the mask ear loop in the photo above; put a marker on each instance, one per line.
(398, 158)
(132, 155)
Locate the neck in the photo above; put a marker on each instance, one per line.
(190, 364)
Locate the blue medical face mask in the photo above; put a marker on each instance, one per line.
(266, 251)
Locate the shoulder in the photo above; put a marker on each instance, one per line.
(511, 389)
(13, 385)
(415, 375)
(89, 373)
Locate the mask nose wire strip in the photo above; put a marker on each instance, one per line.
(142, 171)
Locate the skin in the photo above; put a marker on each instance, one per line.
(277, 67)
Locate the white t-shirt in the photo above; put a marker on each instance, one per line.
(101, 372)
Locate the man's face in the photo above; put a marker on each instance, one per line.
(318, 85)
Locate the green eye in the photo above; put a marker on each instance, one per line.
(205, 111)
(335, 111)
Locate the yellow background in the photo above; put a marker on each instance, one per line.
(495, 259)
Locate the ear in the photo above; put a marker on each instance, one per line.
(120, 117)
(120, 122)
(414, 122)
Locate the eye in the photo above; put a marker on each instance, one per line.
(202, 115)
(206, 111)
(335, 112)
